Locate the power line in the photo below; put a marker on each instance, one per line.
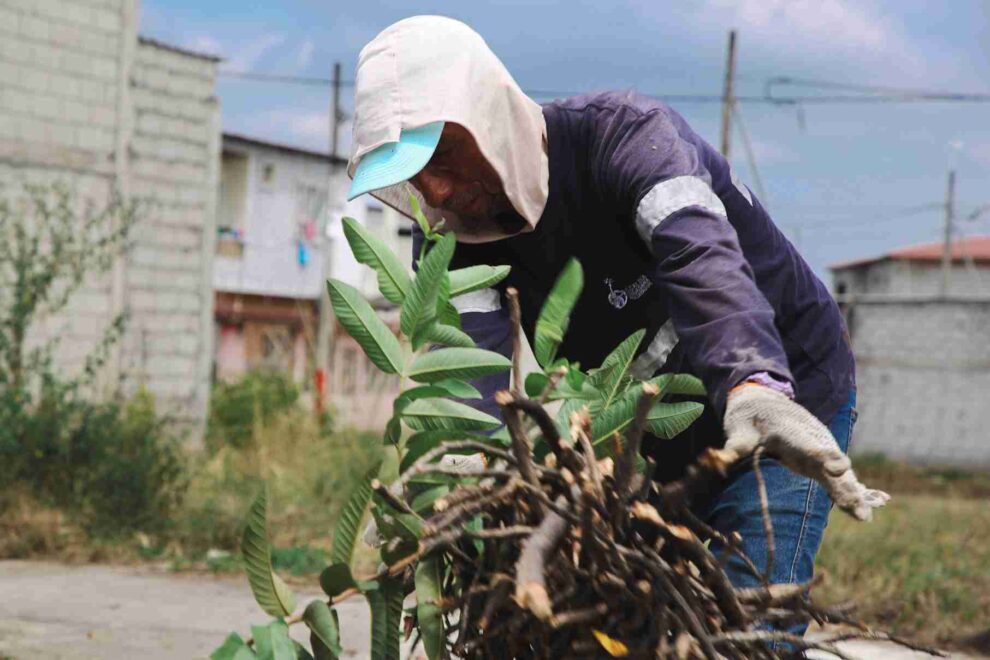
(891, 95)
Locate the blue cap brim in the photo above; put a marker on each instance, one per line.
(396, 162)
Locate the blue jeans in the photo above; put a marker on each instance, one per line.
(799, 509)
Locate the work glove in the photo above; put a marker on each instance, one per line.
(756, 415)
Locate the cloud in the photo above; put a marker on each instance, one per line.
(243, 58)
(248, 55)
(820, 28)
(305, 128)
(305, 55)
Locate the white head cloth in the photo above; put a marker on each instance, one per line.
(431, 68)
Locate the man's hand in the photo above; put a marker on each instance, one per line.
(757, 415)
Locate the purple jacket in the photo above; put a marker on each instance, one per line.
(670, 241)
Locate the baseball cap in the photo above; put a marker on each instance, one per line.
(395, 162)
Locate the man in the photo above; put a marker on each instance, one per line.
(669, 240)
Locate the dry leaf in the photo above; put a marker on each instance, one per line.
(615, 648)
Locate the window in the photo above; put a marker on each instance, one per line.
(268, 174)
(232, 204)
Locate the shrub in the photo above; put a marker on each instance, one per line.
(237, 408)
(308, 471)
(114, 467)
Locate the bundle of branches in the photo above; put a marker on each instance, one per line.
(582, 557)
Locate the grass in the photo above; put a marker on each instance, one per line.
(922, 567)
(309, 473)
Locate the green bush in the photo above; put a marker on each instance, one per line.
(236, 409)
(114, 467)
(309, 473)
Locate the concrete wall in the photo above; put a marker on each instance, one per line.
(174, 160)
(912, 278)
(923, 368)
(85, 102)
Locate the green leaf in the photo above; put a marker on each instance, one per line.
(610, 377)
(346, 530)
(420, 392)
(393, 431)
(436, 414)
(448, 315)
(301, 652)
(336, 579)
(322, 623)
(448, 335)
(537, 382)
(272, 642)
(429, 615)
(386, 619)
(271, 593)
(458, 388)
(419, 216)
(320, 650)
(466, 280)
(685, 384)
(363, 324)
(457, 363)
(233, 648)
(419, 307)
(668, 419)
(405, 524)
(393, 279)
(393, 428)
(555, 315)
(419, 443)
(423, 503)
(615, 418)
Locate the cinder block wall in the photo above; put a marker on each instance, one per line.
(923, 370)
(174, 161)
(84, 101)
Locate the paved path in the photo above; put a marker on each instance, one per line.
(54, 611)
(50, 610)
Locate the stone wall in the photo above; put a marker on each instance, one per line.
(85, 101)
(923, 369)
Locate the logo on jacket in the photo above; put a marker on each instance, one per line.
(619, 298)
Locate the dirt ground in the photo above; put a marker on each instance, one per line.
(50, 610)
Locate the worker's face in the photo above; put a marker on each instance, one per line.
(459, 179)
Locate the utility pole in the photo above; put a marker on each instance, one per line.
(324, 320)
(727, 98)
(950, 194)
(335, 110)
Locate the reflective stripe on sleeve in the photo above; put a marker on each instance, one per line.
(668, 197)
(655, 356)
(482, 300)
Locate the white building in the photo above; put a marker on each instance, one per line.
(86, 101)
(922, 357)
(279, 238)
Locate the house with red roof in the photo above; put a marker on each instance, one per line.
(918, 270)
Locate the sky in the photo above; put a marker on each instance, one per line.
(843, 180)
